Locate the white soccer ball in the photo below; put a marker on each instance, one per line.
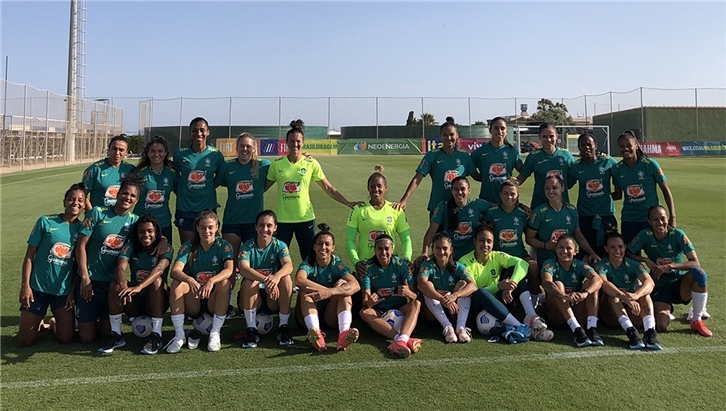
(203, 324)
(264, 323)
(141, 326)
(394, 318)
(485, 322)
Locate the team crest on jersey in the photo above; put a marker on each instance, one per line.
(204, 276)
(562, 161)
(641, 175)
(601, 169)
(505, 155)
(291, 187)
(458, 162)
(574, 277)
(142, 275)
(389, 219)
(635, 191)
(471, 212)
(626, 278)
(208, 162)
(516, 220)
(497, 169)
(393, 277)
(670, 249)
(373, 234)
(215, 260)
(166, 181)
(493, 273)
(330, 278)
(303, 171)
(568, 219)
(556, 234)
(154, 260)
(451, 279)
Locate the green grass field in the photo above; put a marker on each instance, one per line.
(687, 374)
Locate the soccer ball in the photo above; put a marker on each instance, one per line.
(485, 322)
(264, 323)
(394, 318)
(141, 326)
(203, 324)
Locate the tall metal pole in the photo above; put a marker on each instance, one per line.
(611, 119)
(328, 117)
(5, 110)
(25, 119)
(71, 99)
(47, 127)
(586, 122)
(376, 117)
(423, 123)
(229, 132)
(696, 99)
(642, 117)
(468, 100)
(279, 118)
(181, 121)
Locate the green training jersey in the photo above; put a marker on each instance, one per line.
(468, 218)
(326, 276)
(671, 249)
(624, 277)
(443, 280)
(495, 166)
(543, 165)
(142, 263)
(245, 193)
(572, 279)
(207, 263)
(104, 180)
(293, 188)
(385, 281)
(156, 196)
(639, 184)
(444, 168)
(508, 229)
(371, 223)
(55, 241)
(107, 233)
(551, 225)
(594, 195)
(196, 173)
(266, 260)
(488, 275)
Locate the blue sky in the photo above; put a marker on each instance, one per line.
(371, 49)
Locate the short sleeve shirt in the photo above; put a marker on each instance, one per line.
(196, 173)
(443, 280)
(156, 196)
(107, 232)
(206, 264)
(508, 229)
(594, 194)
(624, 277)
(551, 225)
(385, 281)
(671, 249)
(639, 184)
(543, 165)
(488, 275)
(141, 264)
(370, 223)
(266, 260)
(468, 218)
(444, 168)
(326, 276)
(572, 279)
(104, 180)
(293, 188)
(55, 242)
(245, 193)
(495, 165)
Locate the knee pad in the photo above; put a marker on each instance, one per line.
(699, 276)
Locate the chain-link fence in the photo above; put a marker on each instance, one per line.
(336, 112)
(40, 128)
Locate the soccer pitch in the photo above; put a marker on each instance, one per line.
(538, 375)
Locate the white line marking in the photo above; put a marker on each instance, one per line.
(327, 164)
(40, 178)
(298, 369)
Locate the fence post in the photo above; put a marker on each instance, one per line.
(229, 132)
(423, 123)
(181, 121)
(642, 116)
(376, 117)
(586, 121)
(47, 128)
(279, 118)
(328, 118)
(25, 119)
(696, 99)
(468, 101)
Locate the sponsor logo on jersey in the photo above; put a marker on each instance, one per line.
(507, 238)
(291, 187)
(594, 188)
(497, 169)
(244, 189)
(464, 227)
(60, 253)
(636, 193)
(374, 234)
(112, 244)
(557, 173)
(204, 276)
(197, 179)
(556, 234)
(112, 191)
(385, 292)
(663, 261)
(154, 199)
(142, 275)
(264, 272)
(450, 175)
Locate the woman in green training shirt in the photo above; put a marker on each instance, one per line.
(638, 176)
(293, 174)
(373, 218)
(495, 161)
(47, 271)
(444, 165)
(196, 168)
(103, 178)
(544, 162)
(160, 180)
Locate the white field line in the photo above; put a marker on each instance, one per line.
(299, 369)
(41, 178)
(326, 164)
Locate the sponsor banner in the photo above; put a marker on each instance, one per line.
(703, 148)
(380, 146)
(282, 148)
(466, 144)
(321, 146)
(268, 148)
(661, 149)
(227, 146)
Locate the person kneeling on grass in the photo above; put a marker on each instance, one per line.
(201, 282)
(627, 286)
(386, 286)
(326, 286)
(674, 265)
(147, 292)
(501, 279)
(265, 260)
(560, 278)
(446, 283)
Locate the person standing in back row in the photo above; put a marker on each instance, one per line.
(444, 165)
(196, 168)
(293, 174)
(103, 178)
(496, 161)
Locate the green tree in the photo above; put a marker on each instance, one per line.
(549, 112)
(136, 143)
(427, 119)
(480, 123)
